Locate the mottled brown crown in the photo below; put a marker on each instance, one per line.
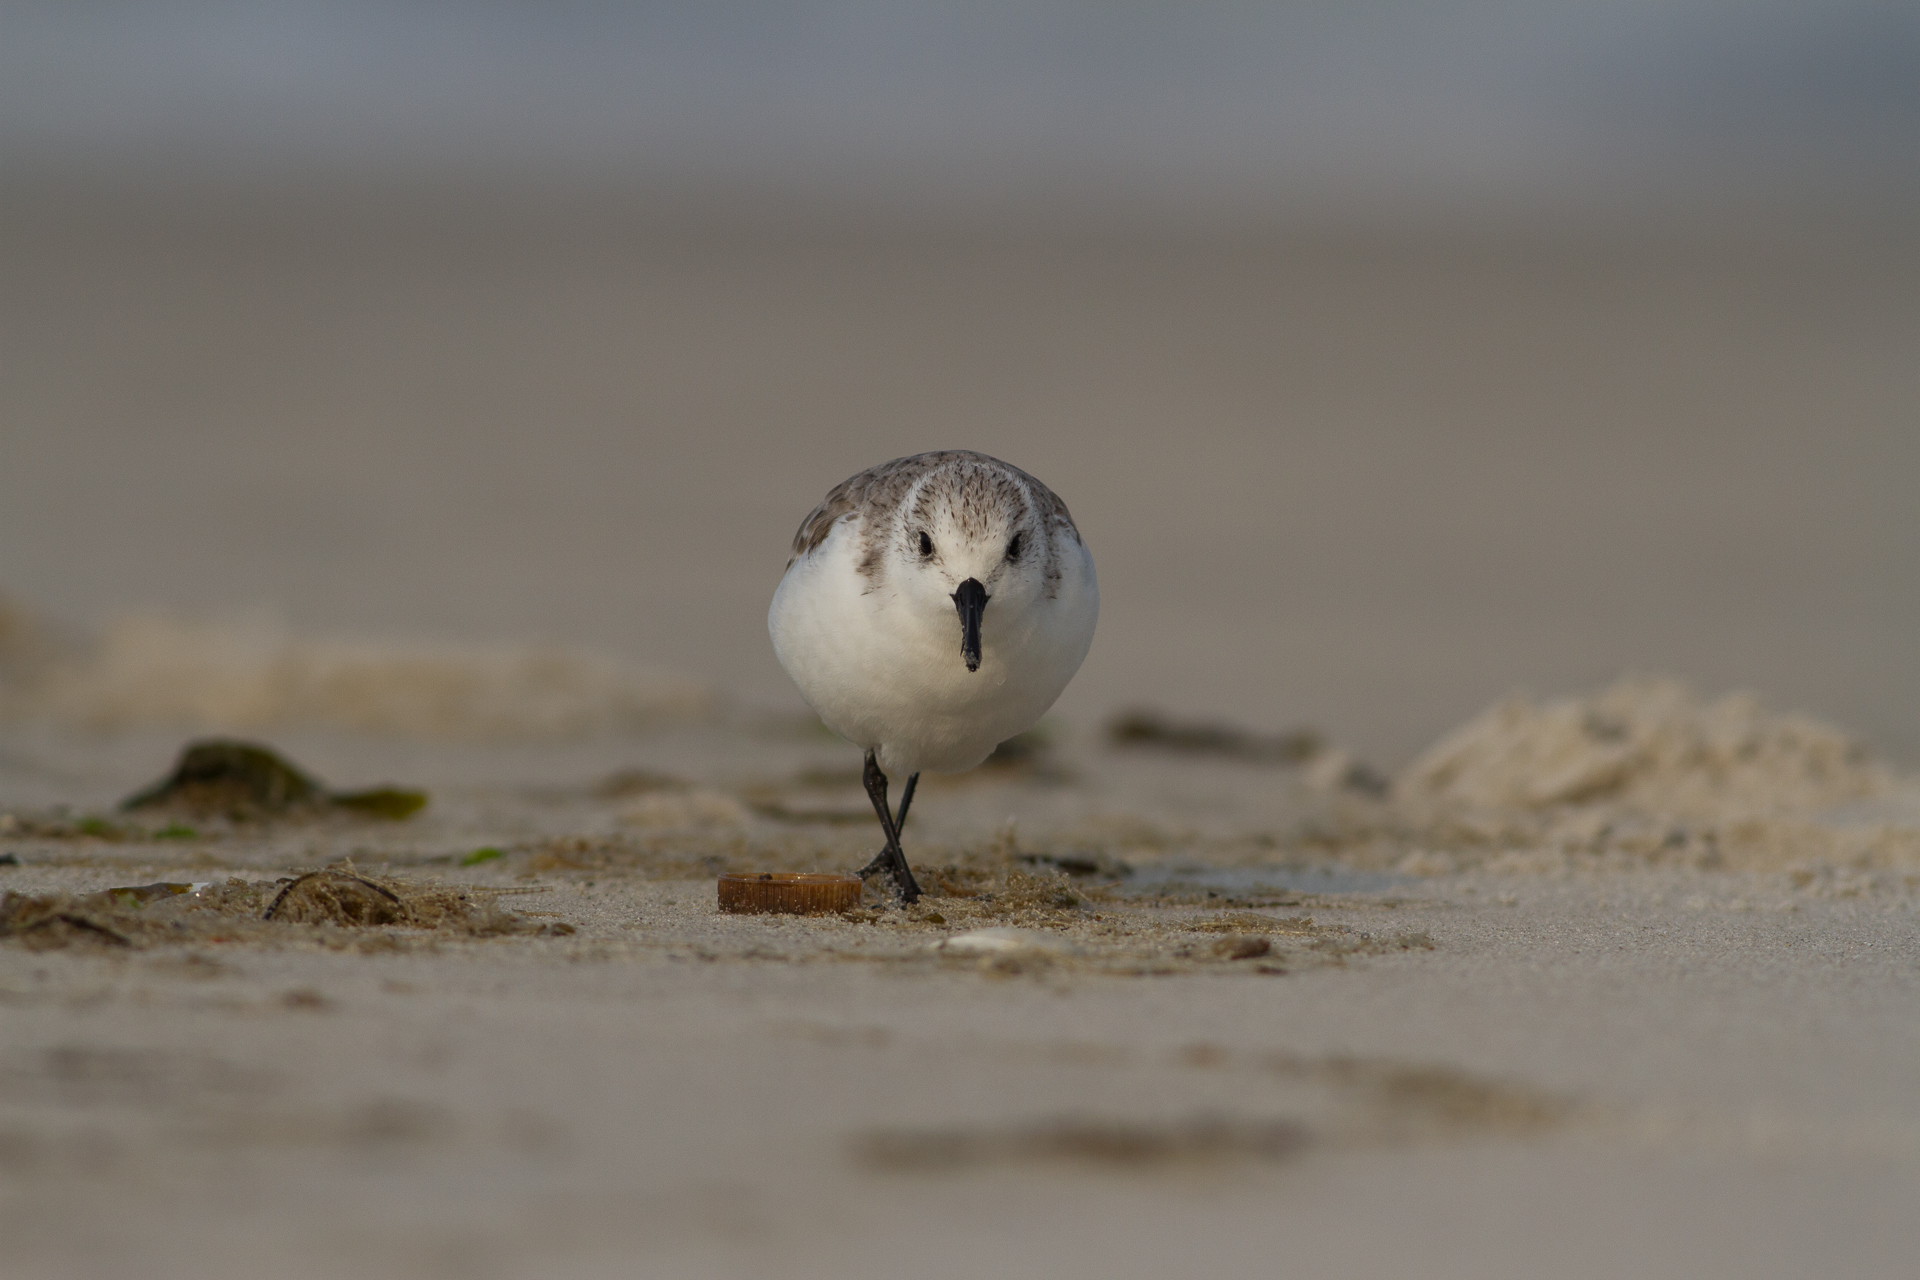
(972, 485)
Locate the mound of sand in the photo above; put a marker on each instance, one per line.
(1649, 746)
(1647, 772)
(252, 675)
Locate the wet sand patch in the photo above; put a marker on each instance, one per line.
(1358, 1102)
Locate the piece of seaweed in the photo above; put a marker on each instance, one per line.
(247, 781)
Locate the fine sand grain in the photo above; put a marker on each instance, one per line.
(1185, 1013)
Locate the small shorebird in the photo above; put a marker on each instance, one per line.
(934, 607)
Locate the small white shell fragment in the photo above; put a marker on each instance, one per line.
(988, 942)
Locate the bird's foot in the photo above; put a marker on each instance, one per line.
(896, 870)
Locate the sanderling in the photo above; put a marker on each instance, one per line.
(882, 618)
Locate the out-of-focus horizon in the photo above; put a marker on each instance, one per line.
(1629, 107)
(1391, 357)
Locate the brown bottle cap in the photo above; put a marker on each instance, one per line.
(788, 892)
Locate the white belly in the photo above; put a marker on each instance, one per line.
(892, 679)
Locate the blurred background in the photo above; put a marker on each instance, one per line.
(1390, 357)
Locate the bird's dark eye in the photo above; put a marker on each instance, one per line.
(926, 544)
(1013, 548)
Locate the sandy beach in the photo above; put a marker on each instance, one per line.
(1233, 1015)
(1616, 977)
(1363, 480)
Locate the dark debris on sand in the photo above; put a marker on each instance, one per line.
(245, 781)
(1082, 1140)
(1142, 727)
(1355, 1102)
(334, 907)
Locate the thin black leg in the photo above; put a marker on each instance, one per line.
(883, 860)
(893, 860)
(906, 802)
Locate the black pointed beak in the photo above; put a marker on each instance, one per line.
(971, 600)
